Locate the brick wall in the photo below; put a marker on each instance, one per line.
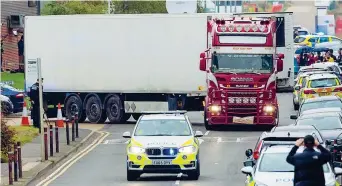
(10, 56)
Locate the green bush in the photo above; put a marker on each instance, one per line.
(7, 140)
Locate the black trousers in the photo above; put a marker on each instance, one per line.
(35, 114)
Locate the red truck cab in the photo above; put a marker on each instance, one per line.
(241, 63)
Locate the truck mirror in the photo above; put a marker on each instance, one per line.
(202, 55)
(280, 65)
(280, 56)
(203, 65)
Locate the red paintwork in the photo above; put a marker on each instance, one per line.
(220, 96)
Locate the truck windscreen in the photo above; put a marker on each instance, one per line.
(241, 63)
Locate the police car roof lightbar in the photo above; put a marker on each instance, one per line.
(165, 112)
(320, 72)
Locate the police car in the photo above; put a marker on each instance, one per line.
(268, 173)
(318, 85)
(163, 143)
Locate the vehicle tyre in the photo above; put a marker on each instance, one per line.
(136, 116)
(72, 105)
(94, 111)
(206, 123)
(295, 106)
(194, 175)
(132, 175)
(115, 110)
(6, 108)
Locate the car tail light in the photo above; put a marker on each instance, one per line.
(339, 89)
(309, 92)
(21, 95)
(256, 153)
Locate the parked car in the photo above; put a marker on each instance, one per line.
(15, 95)
(6, 105)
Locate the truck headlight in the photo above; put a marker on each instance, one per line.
(269, 108)
(188, 149)
(215, 108)
(136, 150)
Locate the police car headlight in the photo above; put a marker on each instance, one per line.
(188, 149)
(136, 150)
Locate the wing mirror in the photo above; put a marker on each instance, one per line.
(248, 163)
(337, 164)
(203, 62)
(126, 135)
(297, 87)
(247, 170)
(280, 65)
(293, 117)
(249, 153)
(198, 134)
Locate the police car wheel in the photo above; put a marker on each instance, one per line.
(194, 175)
(132, 175)
(295, 106)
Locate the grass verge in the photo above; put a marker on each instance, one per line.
(18, 79)
(23, 134)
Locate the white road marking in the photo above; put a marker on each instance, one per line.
(105, 142)
(238, 140)
(206, 133)
(63, 168)
(219, 140)
(127, 141)
(178, 178)
(200, 141)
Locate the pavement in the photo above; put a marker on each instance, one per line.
(31, 157)
(222, 155)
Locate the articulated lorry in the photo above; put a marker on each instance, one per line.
(117, 66)
(241, 64)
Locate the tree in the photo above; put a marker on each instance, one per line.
(74, 7)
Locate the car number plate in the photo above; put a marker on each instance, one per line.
(161, 162)
(245, 120)
(324, 94)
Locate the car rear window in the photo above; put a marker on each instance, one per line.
(326, 82)
(299, 39)
(321, 104)
(322, 122)
(267, 163)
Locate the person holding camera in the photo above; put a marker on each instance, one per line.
(308, 166)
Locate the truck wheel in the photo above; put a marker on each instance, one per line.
(136, 116)
(206, 123)
(94, 111)
(115, 110)
(72, 105)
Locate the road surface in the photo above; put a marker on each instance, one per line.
(222, 155)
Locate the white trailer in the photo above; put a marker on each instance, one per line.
(116, 66)
(284, 40)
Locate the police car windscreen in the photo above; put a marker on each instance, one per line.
(321, 104)
(322, 122)
(299, 39)
(327, 82)
(163, 127)
(267, 163)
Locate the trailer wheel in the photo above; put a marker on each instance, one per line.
(115, 110)
(72, 105)
(136, 116)
(94, 111)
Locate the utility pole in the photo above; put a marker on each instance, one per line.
(41, 110)
(38, 7)
(109, 6)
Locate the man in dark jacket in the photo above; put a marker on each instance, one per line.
(21, 53)
(34, 97)
(339, 57)
(308, 166)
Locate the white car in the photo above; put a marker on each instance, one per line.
(163, 143)
(272, 169)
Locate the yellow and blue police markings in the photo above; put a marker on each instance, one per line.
(136, 153)
(326, 91)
